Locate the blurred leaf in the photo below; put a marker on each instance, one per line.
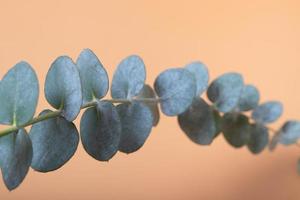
(289, 132)
(100, 130)
(199, 122)
(93, 76)
(200, 72)
(15, 158)
(129, 78)
(148, 92)
(54, 142)
(19, 91)
(259, 138)
(249, 98)
(236, 129)
(225, 91)
(136, 119)
(176, 90)
(63, 87)
(267, 112)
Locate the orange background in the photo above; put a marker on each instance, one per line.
(258, 38)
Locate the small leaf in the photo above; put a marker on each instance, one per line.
(94, 79)
(19, 91)
(15, 158)
(259, 138)
(176, 90)
(54, 142)
(225, 91)
(267, 112)
(289, 133)
(236, 129)
(200, 72)
(136, 119)
(199, 122)
(148, 92)
(249, 98)
(63, 87)
(100, 130)
(129, 78)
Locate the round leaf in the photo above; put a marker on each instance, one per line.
(148, 92)
(259, 138)
(176, 90)
(199, 122)
(94, 79)
(15, 158)
(267, 112)
(249, 98)
(54, 142)
(200, 72)
(289, 133)
(136, 120)
(19, 93)
(225, 91)
(100, 130)
(63, 87)
(129, 78)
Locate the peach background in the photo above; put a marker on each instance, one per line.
(258, 38)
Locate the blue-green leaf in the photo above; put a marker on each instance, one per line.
(129, 78)
(249, 98)
(15, 158)
(267, 112)
(54, 142)
(199, 122)
(259, 138)
(63, 87)
(148, 92)
(225, 91)
(137, 120)
(236, 129)
(289, 132)
(19, 91)
(100, 130)
(200, 72)
(94, 79)
(176, 89)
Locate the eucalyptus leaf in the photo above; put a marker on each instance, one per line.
(19, 91)
(259, 138)
(129, 78)
(267, 112)
(289, 133)
(249, 98)
(100, 130)
(148, 92)
(236, 129)
(15, 158)
(63, 87)
(136, 120)
(176, 89)
(93, 76)
(54, 142)
(199, 122)
(225, 91)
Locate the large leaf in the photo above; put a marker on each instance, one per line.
(176, 89)
(54, 142)
(148, 92)
(100, 130)
(259, 138)
(15, 158)
(267, 112)
(225, 91)
(249, 98)
(19, 93)
(93, 76)
(200, 72)
(137, 120)
(236, 129)
(63, 87)
(199, 122)
(129, 78)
